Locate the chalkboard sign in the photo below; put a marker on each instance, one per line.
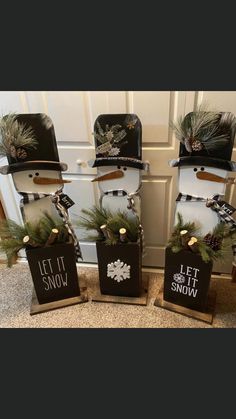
(54, 272)
(119, 268)
(186, 279)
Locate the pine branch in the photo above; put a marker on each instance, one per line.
(112, 242)
(100, 130)
(12, 234)
(9, 228)
(120, 220)
(175, 239)
(221, 231)
(119, 136)
(96, 217)
(14, 135)
(10, 247)
(115, 128)
(201, 125)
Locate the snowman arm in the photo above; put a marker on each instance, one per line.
(233, 166)
(146, 166)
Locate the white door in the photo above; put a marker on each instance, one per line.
(73, 115)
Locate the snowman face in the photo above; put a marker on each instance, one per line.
(129, 182)
(25, 181)
(189, 183)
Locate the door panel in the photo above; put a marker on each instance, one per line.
(85, 194)
(156, 110)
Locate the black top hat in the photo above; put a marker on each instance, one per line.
(214, 149)
(118, 141)
(39, 151)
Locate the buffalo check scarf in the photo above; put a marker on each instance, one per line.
(214, 204)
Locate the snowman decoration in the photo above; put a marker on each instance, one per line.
(206, 143)
(29, 143)
(118, 142)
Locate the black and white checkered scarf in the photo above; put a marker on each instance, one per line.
(184, 197)
(118, 192)
(212, 203)
(29, 197)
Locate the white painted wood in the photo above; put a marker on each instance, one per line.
(198, 212)
(9, 197)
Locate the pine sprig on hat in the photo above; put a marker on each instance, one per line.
(15, 138)
(110, 139)
(202, 129)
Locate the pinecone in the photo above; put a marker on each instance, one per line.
(213, 241)
(196, 145)
(13, 151)
(21, 153)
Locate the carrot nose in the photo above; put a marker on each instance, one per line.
(211, 177)
(108, 176)
(49, 181)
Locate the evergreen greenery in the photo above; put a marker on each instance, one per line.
(221, 231)
(113, 134)
(202, 126)
(14, 137)
(110, 139)
(12, 234)
(95, 217)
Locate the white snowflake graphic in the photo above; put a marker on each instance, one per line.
(114, 151)
(179, 278)
(118, 270)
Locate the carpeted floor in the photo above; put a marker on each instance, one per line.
(15, 302)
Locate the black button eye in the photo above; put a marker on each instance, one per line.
(118, 167)
(37, 174)
(124, 168)
(30, 175)
(202, 168)
(195, 169)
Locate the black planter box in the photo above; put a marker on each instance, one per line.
(119, 268)
(54, 272)
(187, 279)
